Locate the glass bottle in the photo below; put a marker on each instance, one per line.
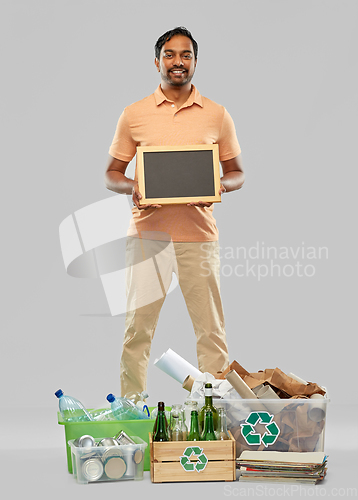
(175, 425)
(154, 414)
(208, 431)
(189, 406)
(160, 426)
(221, 432)
(208, 405)
(176, 433)
(194, 434)
(183, 426)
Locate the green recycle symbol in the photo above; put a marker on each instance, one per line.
(252, 437)
(190, 466)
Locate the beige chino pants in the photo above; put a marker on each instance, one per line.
(150, 265)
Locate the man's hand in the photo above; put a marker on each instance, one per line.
(203, 203)
(234, 176)
(136, 197)
(200, 204)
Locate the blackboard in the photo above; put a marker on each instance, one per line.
(178, 174)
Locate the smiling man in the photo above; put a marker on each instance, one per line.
(177, 63)
(176, 114)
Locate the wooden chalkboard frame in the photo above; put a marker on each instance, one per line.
(214, 173)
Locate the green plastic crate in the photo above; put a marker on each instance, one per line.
(107, 428)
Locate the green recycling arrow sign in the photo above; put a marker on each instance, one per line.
(254, 438)
(191, 466)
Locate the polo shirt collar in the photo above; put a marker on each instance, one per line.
(195, 97)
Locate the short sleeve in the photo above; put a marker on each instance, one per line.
(229, 146)
(123, 146)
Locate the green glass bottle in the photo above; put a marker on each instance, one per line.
(161, 432)
(208, 432)
(208, 405)
(194, 434)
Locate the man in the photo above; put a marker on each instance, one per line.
(176, 114)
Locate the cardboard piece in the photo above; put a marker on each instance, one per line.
(234, 366)
(266, 392)
(277, 378)
(283, 385)
(239, 385)
(317, 412)
(188, 383)
(301, 425)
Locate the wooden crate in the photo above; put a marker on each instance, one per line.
(170, 462)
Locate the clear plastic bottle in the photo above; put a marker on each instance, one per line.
(139, 400)
(102, 414)
(71, 409)
(124, 409)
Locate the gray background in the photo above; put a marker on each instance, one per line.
(286, 72)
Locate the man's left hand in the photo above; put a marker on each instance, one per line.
(203, 203)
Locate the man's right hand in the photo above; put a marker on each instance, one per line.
(136, 197)
(116, 181)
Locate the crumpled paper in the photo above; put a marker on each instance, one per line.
(221, 388)
(284, 386)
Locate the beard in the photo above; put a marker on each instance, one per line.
(177, 82)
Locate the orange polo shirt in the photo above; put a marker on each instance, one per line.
(156, 121)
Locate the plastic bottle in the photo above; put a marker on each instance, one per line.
(71, 409)
(124, 409)
(102, 414)
(139, 400)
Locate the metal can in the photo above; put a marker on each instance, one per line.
(113, 451)
(89, 453)
(123, 438)
(115, 467)
(108, 442)
(138, 456)
(92, 469)
(85, 441)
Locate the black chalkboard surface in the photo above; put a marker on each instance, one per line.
(178, 174)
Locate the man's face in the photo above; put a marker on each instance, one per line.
(177, 62)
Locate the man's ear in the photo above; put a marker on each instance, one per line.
(156, 62)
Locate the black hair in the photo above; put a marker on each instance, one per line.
(180, 30)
